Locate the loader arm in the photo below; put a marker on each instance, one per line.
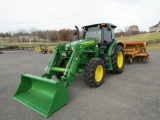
(79, 51)
(73, 65)
(54, 57)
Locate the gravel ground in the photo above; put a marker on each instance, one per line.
(132, 95)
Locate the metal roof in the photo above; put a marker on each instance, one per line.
(155, 25)
(103, 24)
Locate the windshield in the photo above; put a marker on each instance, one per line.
(93, 33)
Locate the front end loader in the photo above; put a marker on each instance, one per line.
(96, 52)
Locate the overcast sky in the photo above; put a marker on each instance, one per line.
(58, 14)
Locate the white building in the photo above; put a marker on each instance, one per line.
(27, 38)
(155, 28)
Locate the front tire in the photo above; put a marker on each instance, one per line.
(94, 72)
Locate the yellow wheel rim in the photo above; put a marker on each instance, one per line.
(99, 73)
(120, 59)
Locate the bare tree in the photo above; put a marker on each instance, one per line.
(3, 35)
(65, 34)
(52, 35)
(132, 30)
(23, 32)
(119, 33)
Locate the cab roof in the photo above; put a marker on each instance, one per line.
(101, 24)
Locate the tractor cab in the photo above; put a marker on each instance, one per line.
(103, 33)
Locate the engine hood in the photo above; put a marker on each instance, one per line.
(83, 41)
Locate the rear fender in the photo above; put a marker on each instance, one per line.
(111, 51)
(114, 47)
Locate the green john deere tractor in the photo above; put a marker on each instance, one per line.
(96, 52)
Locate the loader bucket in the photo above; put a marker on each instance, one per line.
(43, 95)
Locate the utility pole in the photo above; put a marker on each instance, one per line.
(47, 34)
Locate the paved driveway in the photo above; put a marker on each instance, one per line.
(132, 95)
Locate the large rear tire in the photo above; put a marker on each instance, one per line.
(94, 72)
(118, 60)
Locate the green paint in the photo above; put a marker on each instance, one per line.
(58, 69)
(87, 43)
(109, 55)
(43, 95)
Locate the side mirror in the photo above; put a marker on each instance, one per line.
(109, 26)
